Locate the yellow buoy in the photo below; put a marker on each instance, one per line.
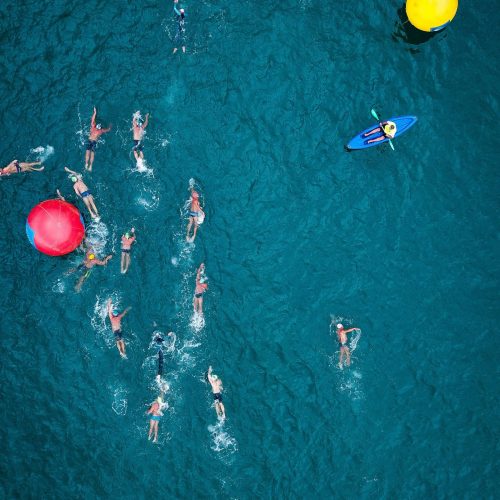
(431, 15)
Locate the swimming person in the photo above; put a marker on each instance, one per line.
(216, 384)
(127, 240)
(156, 414)
(200, 289)
(196, 215)
(139, 127)
(96, 131)
(83, 192)
(16, 167)
(344, 348)
(387, 128)
(180, 37)
(88, 263)
(116, 326)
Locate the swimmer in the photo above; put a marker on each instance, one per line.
(16, 167)
(88, 263)
(387, 128)
(96, 131)
(139, 128)
(116, 326)
(180, 37)
(83, 192)
(196, 215)
(216, 384)
(156, 414)
(344, 348)
(159, 340)
(201, 288)
(127, 240)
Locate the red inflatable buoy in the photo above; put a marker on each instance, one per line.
(55, 227)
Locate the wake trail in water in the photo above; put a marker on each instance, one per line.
(42, 153)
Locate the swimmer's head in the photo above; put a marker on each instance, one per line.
(159, 400)
(340, 326)
(214, 376)
(194, 194)
(127, 235)
(73, 178)
(181, 11)
(203, 279)
(98, 126)
(91, 256)
(138, 122)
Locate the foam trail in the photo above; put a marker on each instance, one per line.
(42, 153)
(120, 403)
(222, 441)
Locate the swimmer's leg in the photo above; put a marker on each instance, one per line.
(184, 49)
(195, 230)
(190, 223)
(94, 208)
(79, 284)
(87, 157)
(127, 262)
(151, 424)
(348, 356)
(91, 157)
(155, 440)
(122, 263)
(175, 50)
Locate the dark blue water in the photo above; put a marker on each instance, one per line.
(403, 244)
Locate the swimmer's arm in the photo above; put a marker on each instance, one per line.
(124, 312)
(146, 121)
(175, 7)
(92, 120)
(104, 261)
(351, 330)
(71, 171)
(104, 130)
(77, 191)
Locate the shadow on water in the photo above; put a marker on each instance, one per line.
(408, 33)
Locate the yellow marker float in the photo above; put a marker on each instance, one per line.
(431, 15)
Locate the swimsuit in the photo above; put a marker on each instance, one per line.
(91, 145)
(18, 168)
(198, 295)
(137, 145)
(126, 250)
(218, 397)
(118, 334)
(85, 194)
(156, 418)
(193, 214)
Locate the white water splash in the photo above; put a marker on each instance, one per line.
(42, 153)
(222, 441)
(120, 403)
(197, 322)
(97, 235)
(59, 286)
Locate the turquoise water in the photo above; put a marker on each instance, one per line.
(402, 244)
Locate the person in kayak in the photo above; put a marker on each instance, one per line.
(180, 37)
(127, 240)
(344, 348)
(388, 130)
(196, 216)
(96, 131)
(16, 167)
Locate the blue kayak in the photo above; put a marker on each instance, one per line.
(403, 123)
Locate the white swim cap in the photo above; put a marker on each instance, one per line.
(340, 325)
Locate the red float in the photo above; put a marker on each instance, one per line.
(55, 227)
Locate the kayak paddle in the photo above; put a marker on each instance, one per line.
(374, 114)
